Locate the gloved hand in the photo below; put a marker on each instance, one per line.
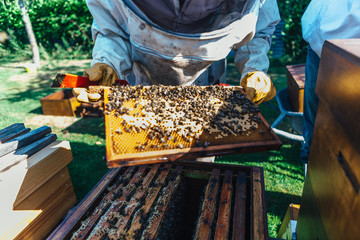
(101, 72)
(258, 86)
(86, 95)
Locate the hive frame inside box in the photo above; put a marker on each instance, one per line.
(242, 217)
(149, 157)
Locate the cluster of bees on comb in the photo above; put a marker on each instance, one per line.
(177, 116)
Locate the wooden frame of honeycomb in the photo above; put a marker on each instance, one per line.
(164, 123)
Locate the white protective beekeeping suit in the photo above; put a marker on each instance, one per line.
(332, 19)
(144, 53)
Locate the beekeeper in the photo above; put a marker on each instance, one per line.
(323, 20)
(183, 42)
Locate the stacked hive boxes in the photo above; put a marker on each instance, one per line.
(34, 182)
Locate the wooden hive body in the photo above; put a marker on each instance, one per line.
(331, 199)
(36, 187)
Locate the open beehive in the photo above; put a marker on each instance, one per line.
(161, 123)
(182, 200)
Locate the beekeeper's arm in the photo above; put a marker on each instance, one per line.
(251, 59)
(111, 52)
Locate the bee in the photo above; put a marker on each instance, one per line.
(188, 139)
(206, 144)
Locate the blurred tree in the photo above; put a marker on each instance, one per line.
(30, 33)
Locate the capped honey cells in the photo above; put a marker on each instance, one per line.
(177, 117)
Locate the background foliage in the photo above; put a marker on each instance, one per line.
(63, 29)
(295, 46)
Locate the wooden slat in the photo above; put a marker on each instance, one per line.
(24, 140)
(85, 230)
(15, 125)
(239, 221)
(18, 220)
(203, 228)
(259, 221)
(9, 137)
(129, 210)
(223, 222)
(103, 225)
(52, 211)
(150, 157)
(136, 223)
(10, 160)
(10, 131)
(65, 229)
(160, 209)
(27, 176)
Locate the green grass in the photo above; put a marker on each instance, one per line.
(20, 102)
(20, 95)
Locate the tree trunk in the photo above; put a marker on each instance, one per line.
(30, 33)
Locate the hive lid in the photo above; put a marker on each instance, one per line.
(161, 123)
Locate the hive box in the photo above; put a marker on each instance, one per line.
(295, 86)
(189, 200)
(62, 103)
(36, 193)
(331, 202)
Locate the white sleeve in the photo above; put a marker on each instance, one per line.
(253, 55)
(112, 44)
